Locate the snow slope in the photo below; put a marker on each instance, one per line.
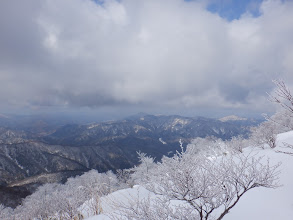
(257, 204)
(270, 204)
(121, 196)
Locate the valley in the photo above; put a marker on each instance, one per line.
(31, 156)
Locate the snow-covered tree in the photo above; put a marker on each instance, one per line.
(282, 96)
(237, 144)
(40, 205)
(264, 134)
(89, 188)
(124, 177)
(151, 208)
(282, 120)
(141, 173)
(208, 146)
(216, 146)
(203, 187)
(65, 201)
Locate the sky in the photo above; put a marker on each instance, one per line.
(195, 57)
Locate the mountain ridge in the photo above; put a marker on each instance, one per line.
(103, 146)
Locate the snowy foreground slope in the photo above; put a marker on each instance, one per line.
(270, 204)
(257, 204)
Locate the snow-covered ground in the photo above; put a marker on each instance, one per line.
(270, 204)
(257, 204)
(129, 195)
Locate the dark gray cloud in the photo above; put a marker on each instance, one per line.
(141, 53)
(234, 93)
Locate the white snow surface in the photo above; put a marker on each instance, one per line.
(257, 204)
(232, 118)
(270, 204)
(121, 196)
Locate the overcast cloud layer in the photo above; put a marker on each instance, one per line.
(141, 53)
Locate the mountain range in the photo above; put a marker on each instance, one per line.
(43, 151)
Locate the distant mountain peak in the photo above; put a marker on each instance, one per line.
(232, 118)
(136, 116)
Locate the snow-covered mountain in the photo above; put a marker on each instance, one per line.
(40, 148)
(169, 128)
(232, 118)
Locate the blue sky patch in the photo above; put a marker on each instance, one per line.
(233, 9)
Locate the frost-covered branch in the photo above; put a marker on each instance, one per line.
(282, 96)
(288, 149)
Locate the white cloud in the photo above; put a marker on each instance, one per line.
(61, 52)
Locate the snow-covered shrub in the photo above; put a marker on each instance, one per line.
(209, 146)
(237, 144)
(264, 134)
(65, 201)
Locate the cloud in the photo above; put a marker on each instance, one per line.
(149, 53)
